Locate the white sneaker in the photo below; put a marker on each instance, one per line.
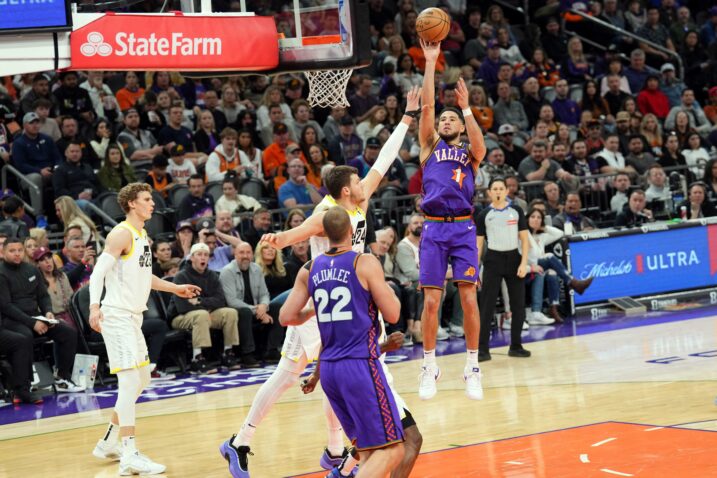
(456, 331)
(137, 464)
(507, 322)
(67, 386)
(427, 382)
(472, 377)
(538, 318)
(107, 451)
(442, 334)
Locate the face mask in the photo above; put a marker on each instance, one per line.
(416, 232)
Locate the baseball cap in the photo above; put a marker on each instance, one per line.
(184, 225)
(373, 142)
(40, 252)
(199, 246)
(492, 44)
(623, 116)
(30, 117)
(205, 224)
(280, 128)
(346, 120)
(6, 112)
(177, 150)
(667, 67)
(291, 148)
(505, 129)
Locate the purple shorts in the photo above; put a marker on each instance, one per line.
(363, 402)
(444, 241)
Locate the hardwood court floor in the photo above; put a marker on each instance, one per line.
(552, 415)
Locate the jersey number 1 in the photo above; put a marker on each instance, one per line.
(341, 296)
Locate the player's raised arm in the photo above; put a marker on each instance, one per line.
(370, 273)
(118, 242)
(475, 135)
(389, 151)
(427, 125)
(312, 226)
(294, 311)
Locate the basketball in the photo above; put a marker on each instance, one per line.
(432, 25)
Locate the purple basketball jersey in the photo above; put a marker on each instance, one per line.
(345, 311)
(448, 180)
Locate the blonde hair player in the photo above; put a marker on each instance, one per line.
(303, 342)
(125, 270)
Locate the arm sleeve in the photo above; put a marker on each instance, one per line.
(389, 151)
(97, 280)
(480, 223)
(522, 223)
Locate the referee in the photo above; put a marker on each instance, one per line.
(503, 228)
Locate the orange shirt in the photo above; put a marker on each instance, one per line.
(484, 116)
(274, 159)
(126, 98)
(420, 61)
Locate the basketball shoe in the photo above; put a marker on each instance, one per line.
(138, 464)
(329, 461)
(105, 450)
(237, 457)
(427, 382)
(474, 388)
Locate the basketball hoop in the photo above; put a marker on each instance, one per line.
(327, 88)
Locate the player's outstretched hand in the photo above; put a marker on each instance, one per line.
(393, 342)
(462, 94)
(272, 240)
(96, 319)
(431, 50)
(309, 384)
(187, 291)
(413, 98)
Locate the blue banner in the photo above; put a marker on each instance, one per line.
(31, 14)
(644, 264)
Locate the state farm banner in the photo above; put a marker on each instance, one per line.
(175, 42)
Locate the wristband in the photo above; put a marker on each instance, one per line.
(467, 112)
(412, 114)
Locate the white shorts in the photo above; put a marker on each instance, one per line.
(122, 334)
(302, 339)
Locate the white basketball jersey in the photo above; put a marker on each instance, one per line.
(129, 282)
(319, 245)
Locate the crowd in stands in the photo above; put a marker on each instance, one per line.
(590, 128)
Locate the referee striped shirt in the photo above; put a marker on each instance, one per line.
(500, 227)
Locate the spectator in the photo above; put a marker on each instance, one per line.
(637, 72)
(57, 283)
(513, 186)
(538, 166)
(219, 255)
(104, 103)
(490, 65)
(634, 213)
(184, 240)
(70, 215)
(615, 96)
(373, 124)
(13, 210)
(40, 89)
(69, 130)
(48, 126)
(571, 220)
(576, 69)
(272, 95)
(363, 103)
(610, 160)
(230, 105)
(591, 101)
(693, 110)
(74, 179)
(35, 155)
(708, 32)
(302, 121)
(479, 106)
(251, 157)
(30, 246)
(40, 236)
(553, 204)
(211, 103)
(671, 155)
(670, 84)
(116, 171)
(6, 116)
(652, 100)
(695, 206)
(225, 157)
(406, 272)
(101, 140)
(532, 101)
(60, 257)
(566, 110)
(161, 253)
(178, 167)
(225, 226)
(651, 130)
(621, 185)
(197, 203)
(233, 202)
(593, 139)
(298, 256)
(656, 33)
(158, 178)
(407, 75)
(23, 296)
(18, 348)
(275, 156)
(272, 267)
(637, 157)
(205, 137)
(696, 156)
(297, 191)
(710, 180)
(246, 291)
(73, 100)
(507, 111)
(496, 166)
(315, 162)
(128, 96)
(260, 225)
(80, 261)
(658, 188)
(151, 117)
(208, 311)
(347, 145)
(513, 154)
(139, 145)
(555, 41)
(174, 133)
(331, 126)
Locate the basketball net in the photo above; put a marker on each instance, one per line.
(327, 88)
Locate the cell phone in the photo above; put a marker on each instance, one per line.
(92, 245)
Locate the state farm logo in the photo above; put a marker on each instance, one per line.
(128, 44)
(96, 45)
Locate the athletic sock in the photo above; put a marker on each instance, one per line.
(472, 358)
(196, 352)
(112, 434)
(128, 445)
(335, 432)
(348, 465)
(244, 436)
(429, 358)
